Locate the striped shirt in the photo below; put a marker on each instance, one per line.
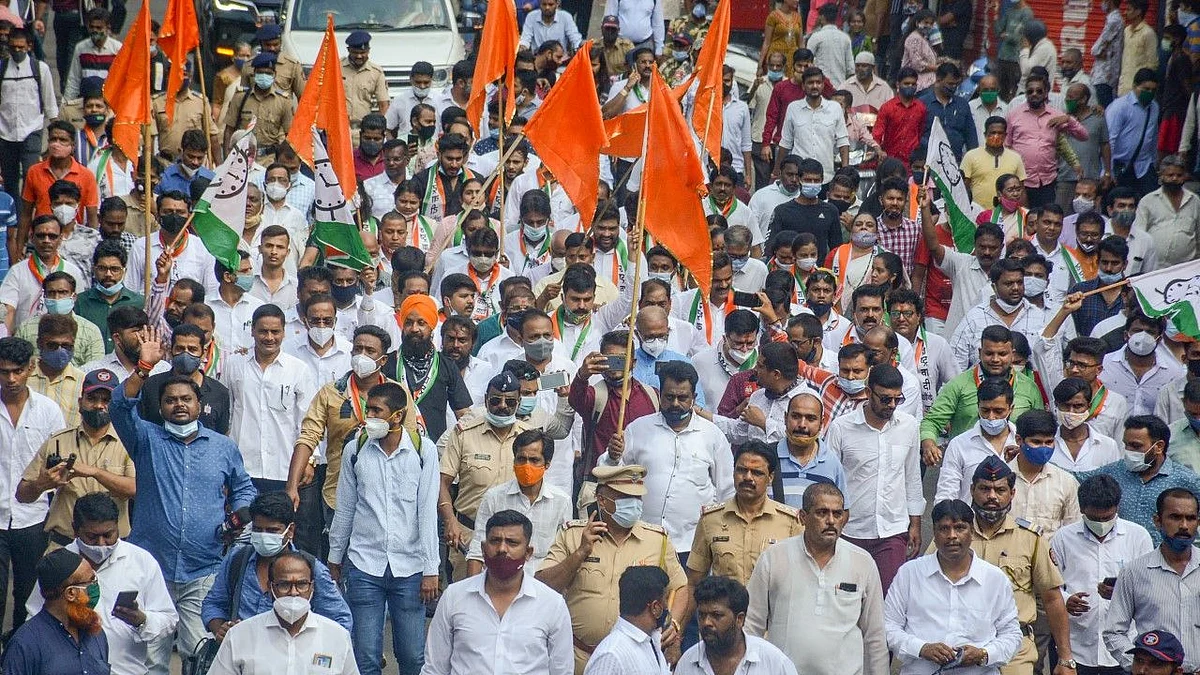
(1149, 595)
(64, 390)
(824, 467)
(834, 401)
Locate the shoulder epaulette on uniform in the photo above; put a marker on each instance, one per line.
(654, 528)
(1027, 525)
(574, 523)
(787, 510)
(470, 422)
(711, 508)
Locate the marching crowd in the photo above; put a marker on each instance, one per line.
(519, 445)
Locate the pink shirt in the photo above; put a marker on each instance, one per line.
(1032, 137)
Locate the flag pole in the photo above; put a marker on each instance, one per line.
(1106, 288)
(487, 183)
(212, 162)
(146, 197)
(637, 274)
(500, 171)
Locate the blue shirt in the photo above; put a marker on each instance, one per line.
(1139, 499)
(645, 369)
(181, 491)
(824, 467)
(42, 645)
(326, 600)
(1126, 120)
(8, 218)
(174, 179)
(1094, 308)
(957, 120)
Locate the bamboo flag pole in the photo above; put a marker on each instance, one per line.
(212, 162)
(1107, 288)
(637, 274)
(146, 196)
(504, 155)
(500, 173)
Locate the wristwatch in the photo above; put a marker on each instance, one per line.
(1070, 663)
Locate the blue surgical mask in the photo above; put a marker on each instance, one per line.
(1037, 454)
(810, 190)
(56, 359)
(1177, 544)
(493, 134)
(525, 408)
(1194, 423)
(264, 80)
(993, 427)
(739, 263)
(774, 75)
(185, 363)
(674, 416)
(1106, 278)
(851, 387)
(627, 512)
(500, 420)
(680, 55)
(60, 305)
(245, 282)
(109, 290)
(182, 431)
(239, 63)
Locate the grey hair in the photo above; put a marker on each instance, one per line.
(1172, 160)
(738, 235)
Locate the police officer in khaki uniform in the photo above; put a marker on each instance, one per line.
(190, 109)
(477, 454)
(272, 108)
(1014, 545)
(366, 86)
(289, 74)
(588, 556)
(730, 536)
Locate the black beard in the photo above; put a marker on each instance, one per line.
(416, 347)
(721, 643)
(461, 363)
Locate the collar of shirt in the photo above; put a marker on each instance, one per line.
(976, 432)
(752, 655)
(629, 630)
(692, 425)
(819, 457)
(973, 574)
(860, 415)
(476, 584)
(1156, 560)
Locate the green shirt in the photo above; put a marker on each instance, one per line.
(485, 331)
(89, 346)
(91, 305)
(1012, 26)
(1185, 444)
(957, 404)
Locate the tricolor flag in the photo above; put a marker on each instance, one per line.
(960, 211)
(1173, 293)
(219, 214)
(334, 230)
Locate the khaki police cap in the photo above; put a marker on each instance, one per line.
(624, 479)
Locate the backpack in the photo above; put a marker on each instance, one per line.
(36, 67)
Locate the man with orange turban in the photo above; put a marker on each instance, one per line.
(433, 379)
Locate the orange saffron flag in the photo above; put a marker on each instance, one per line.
(323, 105)
(180, 35)
(673, 183)
(494, 58)
(127, 88)
(627, 130)
(568, 133)
(709, 109)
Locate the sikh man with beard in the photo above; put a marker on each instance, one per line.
(433, 379)
(66, 636)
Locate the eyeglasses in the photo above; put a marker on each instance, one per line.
(290, 586)
(501, 401)
(903, 313)
(1079, 365)
(889, 400)
(105, 269)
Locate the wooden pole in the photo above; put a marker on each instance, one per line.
(146, 196)
(500, 173)
(1107, 288)
(504, 155)
(637, 274)
(212, 162)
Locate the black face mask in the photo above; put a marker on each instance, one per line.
(425, 133)
(172, 223)
(841, 204)
(344, 294)
(96, 419)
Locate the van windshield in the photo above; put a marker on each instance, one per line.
(370, 15)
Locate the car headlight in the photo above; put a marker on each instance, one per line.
(441, 77)
(230, 6)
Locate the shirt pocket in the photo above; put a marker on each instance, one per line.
(845, 607)
(281, 397)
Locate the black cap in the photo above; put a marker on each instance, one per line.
(58, 566)
(992, 468)
(358, 39)
(504, 382)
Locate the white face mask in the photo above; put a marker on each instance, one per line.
(376, 428)
(1072, 420)
(1142, 343)
(558, 264)
(267, 544)
(291, 608)
(96, 554)
(993, 427)
(363, 365)
(654, 347)
(738, 356)
(275, 191)
(65, 213)
(1135, 461)
(1035, 286)
(1100, 528)
(320, 335)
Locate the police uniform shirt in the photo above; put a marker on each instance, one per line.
(479, 457)
(366, 88)
(728, 545)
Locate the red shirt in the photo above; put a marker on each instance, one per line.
(365, 168)
(938, 290)
(740, 386)
(898, 128)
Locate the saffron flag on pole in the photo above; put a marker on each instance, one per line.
(495, 58)
(627, 131)
(1173, 293)
(708, 110)
(180, 34)
(334, 229)
(673, 183)
(959, 209)
(127, 88)
(218, 216)
(568, 132)
(323, 104)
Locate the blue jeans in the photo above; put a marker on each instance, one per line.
(368, 598)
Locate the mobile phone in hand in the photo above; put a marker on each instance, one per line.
(1110, 581)
(746, 299)
(616, 362)
(553, 380)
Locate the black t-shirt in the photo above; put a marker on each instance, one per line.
(214, 402)
(447, 389)
(821, 220)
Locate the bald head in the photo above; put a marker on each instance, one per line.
(371, 242)
(558, 243)
(652, 323)
(989, 82)
(1079, 92)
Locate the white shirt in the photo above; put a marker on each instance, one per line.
(283, 297)
(764, 201)
(939, 364)
(261, 645)
(21, 290)
(761, 658)
(815, 132)
(970, 285)
(708, 320)
(400, 110)
(123, 178)
(467, 636)
(268, 406)
(382, 192)
(924, 606)
(113, 363)
(547, 512)
(735, 132)
(324, 368)
(628, 650)
(964, 454)
(685, 471)
(774, 409)
(832, 52)
(1141, 394)
(1084, 562)
(743, 215)
(752, 277)
(806, 610)
(560, 204)
(128, 568)
(195, 262)
(883, 473)
(18, 117)
(291, 219)
(233, 323)
(1096, 451)
(1030, 320)
(39, 418)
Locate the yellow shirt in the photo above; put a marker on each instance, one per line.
(982, 168)
(728, 545)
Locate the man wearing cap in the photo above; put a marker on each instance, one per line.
(552, 23)
(1157, 652)
(477, 454)
(1159, 589)
(262, 100)
(190, 109)
(679, 65)
(616, 48)
(66, 636)
(289, 74)
(101, 463)
(864, 87)
(366, 86)
(589, 555)
(433, 379)
(1013, 545)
